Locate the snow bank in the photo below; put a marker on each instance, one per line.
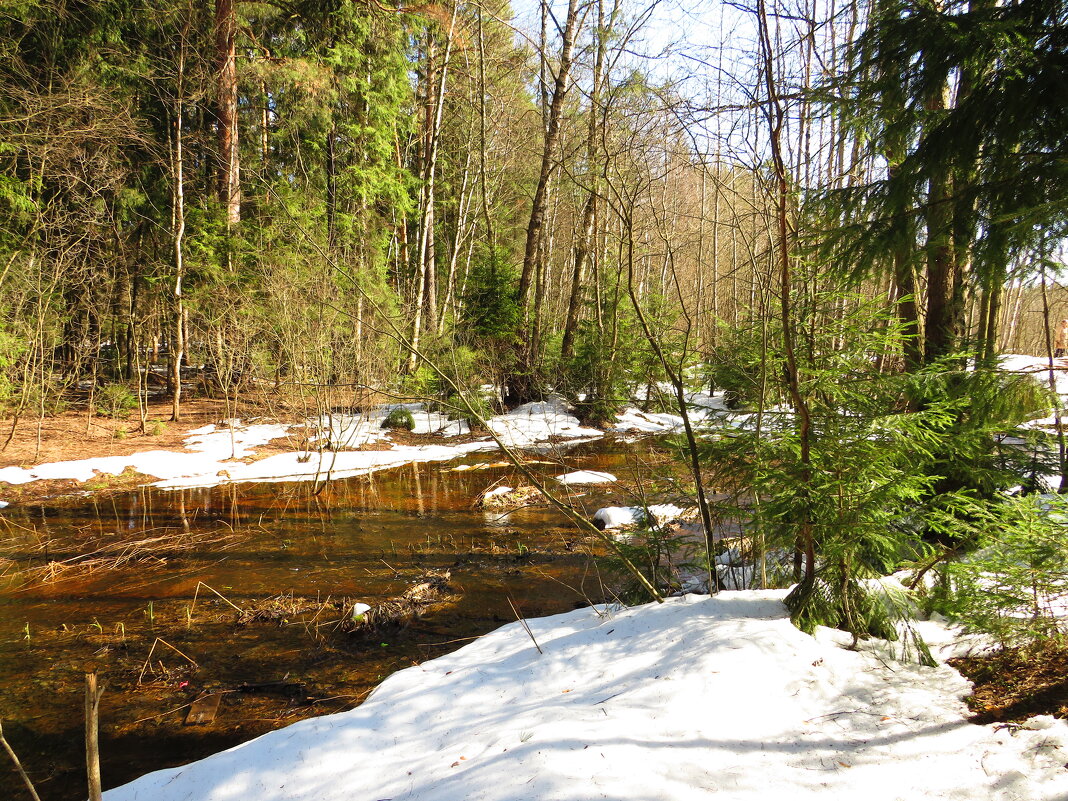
(309, 466)
(632, 419)
(610, 517)
(213, 448)
(1038, 367)
(217, 449)
(586, 477)
(696, 698)
(537, 422)
(701, 407)
(356, 430)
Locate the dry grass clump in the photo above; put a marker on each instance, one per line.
(430, 589)
(513, 499)
(142, 551)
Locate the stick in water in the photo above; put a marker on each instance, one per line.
(92, 735)
(18, 765)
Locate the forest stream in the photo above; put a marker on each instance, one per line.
(248, 592)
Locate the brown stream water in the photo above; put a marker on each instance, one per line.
(101, 583)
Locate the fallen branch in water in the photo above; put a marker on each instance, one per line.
(18, 765)
(196, 592)
(152, 650)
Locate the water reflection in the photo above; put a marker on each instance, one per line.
(92, 585)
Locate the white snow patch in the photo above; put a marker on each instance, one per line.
(619, 516)
(632, 419)
(539, 421)
(328, 465)
(611, 517)
(1037, 366)
(337, 439)
(350, 431)
(696, 698)
(586, 477)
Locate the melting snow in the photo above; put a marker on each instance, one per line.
(586, 477)
(696, 698)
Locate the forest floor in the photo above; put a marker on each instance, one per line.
(76, 435)
(1013, 685)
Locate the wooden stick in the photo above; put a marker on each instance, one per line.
(92, 735)
(152, 650)
(525, 626)
(205, 586)
(18, 765)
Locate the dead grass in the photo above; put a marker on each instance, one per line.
(151, 548)
(513, 499)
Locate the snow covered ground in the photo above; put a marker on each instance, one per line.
(225, 453)
(586, 477)
(339, 438)
(697, 698)
(701, 407)
(217, 450)
(1039, 368)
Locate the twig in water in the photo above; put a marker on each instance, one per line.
(162, 714)
(205, 586)
(526, 627)
(451, 642)
(18, 765)
(152, 650)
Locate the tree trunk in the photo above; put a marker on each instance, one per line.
(944, 282)
(589, 208)
(331, 188)
(178, 216)
(178, 345)
(434, 104)
(226, 66)
(806, 545)
(551, 137)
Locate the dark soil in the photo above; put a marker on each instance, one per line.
(1017, 683)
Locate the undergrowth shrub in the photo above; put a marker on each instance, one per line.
(399, 417)
(115, 401)
(1014, 585)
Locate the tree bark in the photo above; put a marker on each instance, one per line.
(178, 345)
(589, 208)
(92, 736)
(434, 104)
(521, 385)
(552, 135)
(226, 67)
